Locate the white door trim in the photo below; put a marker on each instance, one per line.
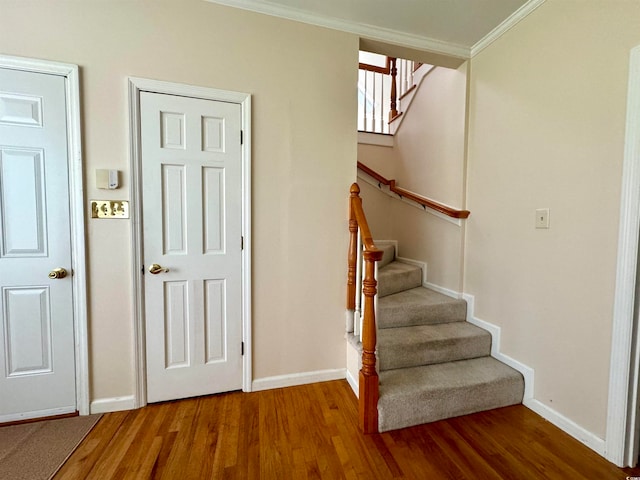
(76, 210)
(136, 85)
(623, 376)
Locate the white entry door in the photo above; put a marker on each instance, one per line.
(192, 216)
(37, 364)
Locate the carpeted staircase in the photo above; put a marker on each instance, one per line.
(432, 363)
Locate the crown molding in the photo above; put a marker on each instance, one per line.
(505, 26)
(361, 29)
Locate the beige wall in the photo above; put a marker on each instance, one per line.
(378, 207)
(430, 141)
(420, 235)
(425, 237)
(381, 159)
(304, 153)
(428, 158)
(547, 119)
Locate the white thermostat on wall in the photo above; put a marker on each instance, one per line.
(107, 179)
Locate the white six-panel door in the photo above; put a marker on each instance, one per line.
(192, 227)
(37, 369)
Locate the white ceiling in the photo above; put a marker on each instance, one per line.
(450, 27)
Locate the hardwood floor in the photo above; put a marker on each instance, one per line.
(310, 432)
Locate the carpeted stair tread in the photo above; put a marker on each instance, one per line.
(397, 277)
(428, 344)
(388, 255)
(413, 396)
(419, 306)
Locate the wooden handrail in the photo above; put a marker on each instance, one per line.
(403, 193)
(408, 91)
(373, 173)
(368, 386)
(386, 70)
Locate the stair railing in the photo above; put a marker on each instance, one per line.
(368, 387)
(405, 75)
(374, 87)
(379, 91)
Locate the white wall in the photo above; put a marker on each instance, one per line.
(302, 79)
(547, 119)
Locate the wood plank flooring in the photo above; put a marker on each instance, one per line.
(310, 432)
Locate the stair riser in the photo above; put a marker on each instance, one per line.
(407, 315)
(433, 351)
(388, 255)
(399, 283)
(441, 404)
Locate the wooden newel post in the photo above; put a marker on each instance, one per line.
(368, 379)
(353, 250)
(393, 112)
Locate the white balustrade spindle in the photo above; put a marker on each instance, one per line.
(358, 314)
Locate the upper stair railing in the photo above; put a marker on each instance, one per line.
(379, 87)
(364, 277)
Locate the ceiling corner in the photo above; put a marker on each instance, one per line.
(505, 26)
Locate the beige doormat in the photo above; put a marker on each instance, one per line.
(36, 451)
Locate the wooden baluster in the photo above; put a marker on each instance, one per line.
(394, 73)
(368, 378)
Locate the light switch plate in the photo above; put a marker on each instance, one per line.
(542, 218)
(109, 209)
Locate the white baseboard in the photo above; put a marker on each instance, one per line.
(584, 436)
(295, 379)
(353, 383)
(114, 404)
(589, 439)
(526, 371)
(445, 291)
(431, 286)
(378, 139)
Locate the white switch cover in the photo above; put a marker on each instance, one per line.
(542, 218)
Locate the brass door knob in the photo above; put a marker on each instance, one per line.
(57, 273)
(155, 269)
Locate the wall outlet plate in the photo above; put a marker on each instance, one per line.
(109, 209)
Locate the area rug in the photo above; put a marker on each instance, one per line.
(35, 451)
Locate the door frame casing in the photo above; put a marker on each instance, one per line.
(76, 210)
(135, 86)
(621, 442)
